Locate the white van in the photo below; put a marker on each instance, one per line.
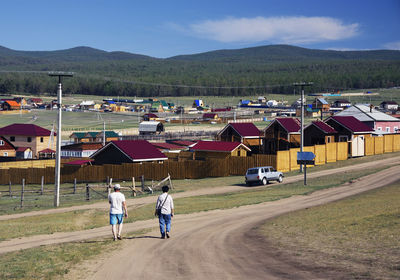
(263, 175)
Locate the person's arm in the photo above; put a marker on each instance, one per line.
(125, 208)
(172, 207)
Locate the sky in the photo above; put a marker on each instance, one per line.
(174, 27)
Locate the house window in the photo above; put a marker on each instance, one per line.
(343, 138)
(12, 138)
(5, 154)
(396, 129)
(379, 128)
(41, 139)
(387, 129)
(1, 143)
(29, 139)
(328, 139)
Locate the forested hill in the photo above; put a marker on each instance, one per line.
(286, 53)
(249, 71)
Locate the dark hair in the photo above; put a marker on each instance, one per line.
(165, 188)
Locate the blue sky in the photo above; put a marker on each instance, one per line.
(167, 28)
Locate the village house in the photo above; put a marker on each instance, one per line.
(9, 105)
(281, 134)
(28, 136)
(351, 130)
(321, 104)
(150, 127)
(93, 136)
(128, 151)
(342, 103)
(246, 133)
(211, 117)
(318, 133)
(24, 153)
(389, 106)
(78, 150)
(218, 149)
(6, 148)
(376, 120)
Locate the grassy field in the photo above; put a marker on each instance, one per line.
(358, 235)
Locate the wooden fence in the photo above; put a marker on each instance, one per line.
(190, 169)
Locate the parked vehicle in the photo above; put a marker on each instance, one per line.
(263, 175)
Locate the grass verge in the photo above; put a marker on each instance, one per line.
(357, 235)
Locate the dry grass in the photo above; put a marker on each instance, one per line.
(359, 235)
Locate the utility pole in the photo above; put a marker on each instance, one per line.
(58, 149)
(302, 85)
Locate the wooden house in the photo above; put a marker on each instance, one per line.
(6, 148)
(150, 127)
(389, 105)
(29, 136)
(78, 150)
(128, 151)
(24, 153)
(9, 105)
(321, 104)
(351, 130)
(246, 133)
(218, 149)
(342, 103)
(318, 133)
(281, 134)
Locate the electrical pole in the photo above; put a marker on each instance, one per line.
(302, 85)
(58, 148)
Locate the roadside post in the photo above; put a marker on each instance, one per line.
(305, 158)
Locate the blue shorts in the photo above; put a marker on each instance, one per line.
(116, 218)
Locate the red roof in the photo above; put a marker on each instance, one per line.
(246, 129)
(352, 123)
(324, 127)
(24, 130)
(6, 145)
(23, 149)
(83, 146)
(183, 143)
(137, 150)
(289, 124)
(168, 146)
(79, 162)
(12, 103)
(217, 146)
(47, 151)
(209, 115)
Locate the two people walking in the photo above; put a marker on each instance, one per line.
(118, 210)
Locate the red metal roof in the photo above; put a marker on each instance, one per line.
(217, 146)
(209, 115)
(185, 143)
(23, 149)
(24, 130)
(289, 124)
(6, 144)
(47, 151)
(139, 150)
(352, 123)
(83, 146)
(246, 129)
(324, 127)
(168, 146)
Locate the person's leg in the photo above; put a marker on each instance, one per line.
(162, 225)
(168, 224)
(113, 223)
(120, 223)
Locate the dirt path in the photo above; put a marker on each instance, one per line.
(215, 244)
(215, 190)
(205, 245)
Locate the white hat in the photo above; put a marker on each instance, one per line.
(117, 186)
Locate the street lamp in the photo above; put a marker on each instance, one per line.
(302, 85)
(58, 148)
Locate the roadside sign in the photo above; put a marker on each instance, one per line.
(305, 158)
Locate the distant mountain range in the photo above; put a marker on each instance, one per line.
(245, 71)
(272, 53)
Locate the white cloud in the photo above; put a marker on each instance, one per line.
(392, 45)
(288, 30)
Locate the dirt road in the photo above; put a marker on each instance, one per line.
(216, 244)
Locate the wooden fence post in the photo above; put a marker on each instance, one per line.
(74, 185)
(109, 186)
(142, 178)
(22, 193)
(170, 181)
(9, 188)
(87, 192)
(42, 185)
(133, 187)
